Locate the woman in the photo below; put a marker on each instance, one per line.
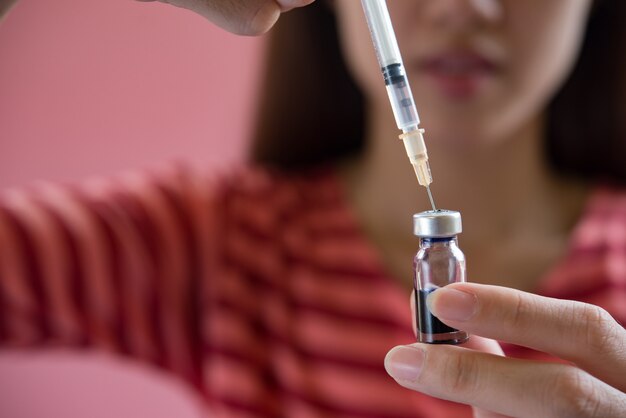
(277, 290)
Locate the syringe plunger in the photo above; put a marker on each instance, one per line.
(400, 96)
(391, 65)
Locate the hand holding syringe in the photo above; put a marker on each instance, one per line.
(398, 89)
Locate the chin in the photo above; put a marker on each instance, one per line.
(460, 139)
(472, 126)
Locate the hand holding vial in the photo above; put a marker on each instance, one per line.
(590, 382)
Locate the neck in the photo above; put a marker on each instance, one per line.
(508, 198)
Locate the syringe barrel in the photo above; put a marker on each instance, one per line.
(401, 98)
(390, 60)
(382, 33)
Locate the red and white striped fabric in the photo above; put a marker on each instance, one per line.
(260, 290)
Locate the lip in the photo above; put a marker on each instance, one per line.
(459, 74)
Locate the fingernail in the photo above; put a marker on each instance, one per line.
(452, 304)
(404, 362)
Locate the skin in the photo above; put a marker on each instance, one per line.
(250, 17)
(487, 162)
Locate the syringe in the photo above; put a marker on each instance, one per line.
(398, 89)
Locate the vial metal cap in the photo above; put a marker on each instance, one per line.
(437, 223)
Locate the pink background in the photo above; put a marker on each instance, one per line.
(96, 86)
(92, 87)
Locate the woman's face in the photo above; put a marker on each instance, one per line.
(479, 69)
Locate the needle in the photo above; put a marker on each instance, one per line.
(430, 196)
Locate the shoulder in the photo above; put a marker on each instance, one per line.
(594, 265)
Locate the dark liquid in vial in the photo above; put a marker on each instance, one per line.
(427, 323)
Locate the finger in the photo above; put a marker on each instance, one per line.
(244, 17)
(582, 333)
(502, 385)
(250, 17)
(475, 342)
(485, 345)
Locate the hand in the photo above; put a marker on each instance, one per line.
(479, 375)
(243, 17)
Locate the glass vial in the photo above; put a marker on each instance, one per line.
(438, 262)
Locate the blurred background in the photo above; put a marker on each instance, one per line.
(95, 87)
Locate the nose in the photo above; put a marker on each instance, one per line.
(459, 14)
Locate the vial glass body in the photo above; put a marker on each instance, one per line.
(438, 262)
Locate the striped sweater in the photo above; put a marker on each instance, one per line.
(260, 290)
